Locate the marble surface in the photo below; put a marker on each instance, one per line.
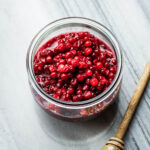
(23, 125)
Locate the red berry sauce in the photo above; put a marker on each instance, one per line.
(74, 66)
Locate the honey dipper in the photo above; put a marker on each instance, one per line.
(116, 143)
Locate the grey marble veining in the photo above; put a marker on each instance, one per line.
(23, 125)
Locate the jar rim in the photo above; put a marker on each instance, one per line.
(92, 23)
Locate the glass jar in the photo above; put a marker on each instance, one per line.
(74, 111)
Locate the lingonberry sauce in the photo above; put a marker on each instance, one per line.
(74, 66)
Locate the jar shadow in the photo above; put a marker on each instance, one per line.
(79, 133)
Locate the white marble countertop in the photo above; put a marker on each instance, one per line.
(23, 125)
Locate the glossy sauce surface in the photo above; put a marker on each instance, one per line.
(74, 66)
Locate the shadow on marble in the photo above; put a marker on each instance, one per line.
(78, 133)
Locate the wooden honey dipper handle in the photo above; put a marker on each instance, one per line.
(134, 102)
(116, 143)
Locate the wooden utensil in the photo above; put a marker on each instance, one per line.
(116, 143)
